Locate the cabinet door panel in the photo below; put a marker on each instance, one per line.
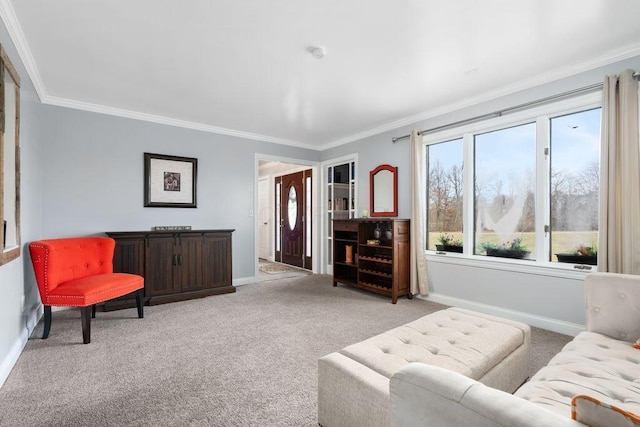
(159, 266)
(188, 272)
(217, 261)
(128, 256)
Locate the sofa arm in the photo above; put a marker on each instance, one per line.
(432, 396)
(613, 305)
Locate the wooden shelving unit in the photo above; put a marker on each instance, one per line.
(380, 261)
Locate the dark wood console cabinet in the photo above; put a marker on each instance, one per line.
(377, 261)
(176, 265)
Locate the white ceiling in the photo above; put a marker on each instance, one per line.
(243, 67)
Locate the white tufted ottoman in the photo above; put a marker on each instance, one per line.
(353, 384)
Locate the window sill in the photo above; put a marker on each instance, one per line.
(551, 269)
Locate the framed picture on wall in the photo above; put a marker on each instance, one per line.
(169, 181)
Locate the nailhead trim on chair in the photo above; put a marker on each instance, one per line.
(97, 293)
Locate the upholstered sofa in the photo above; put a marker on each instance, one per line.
(600, 364)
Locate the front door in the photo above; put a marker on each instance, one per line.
(293, 208)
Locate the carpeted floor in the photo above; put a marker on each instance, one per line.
(242, 359)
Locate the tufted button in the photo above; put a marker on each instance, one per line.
(623, 335)
(99, 262)
(86, 265)
(622, 296)
(452, 341)
(596, 309)
(385, 350)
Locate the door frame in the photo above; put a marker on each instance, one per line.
(323, 226)
(316, 212)
(270, 244)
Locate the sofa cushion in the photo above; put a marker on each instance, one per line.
(452, 339)
(592, 364)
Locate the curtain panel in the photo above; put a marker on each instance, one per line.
(419, 281)
(619, 237)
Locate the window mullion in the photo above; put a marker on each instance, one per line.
(542, 188)
(469, 194)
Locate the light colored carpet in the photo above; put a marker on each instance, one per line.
(242, 359)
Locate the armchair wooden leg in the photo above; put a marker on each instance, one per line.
(93, 311)
(85, 315)
(47, 322)
(140, 303)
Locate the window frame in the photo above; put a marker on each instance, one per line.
(541, 115)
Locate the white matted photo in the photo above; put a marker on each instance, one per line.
(169, 181)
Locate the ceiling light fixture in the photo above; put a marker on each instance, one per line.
(317, 52)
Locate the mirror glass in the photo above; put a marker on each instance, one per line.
(9, 160)
(292, 209)
(383, 191)
(384, 187)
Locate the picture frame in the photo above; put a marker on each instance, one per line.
(170, 181)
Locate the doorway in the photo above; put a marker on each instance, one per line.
(267, 231)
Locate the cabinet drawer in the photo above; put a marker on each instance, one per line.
(345, 225)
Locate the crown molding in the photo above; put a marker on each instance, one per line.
(600, 61)
(10, 19)
(8, 15)
(136, 115)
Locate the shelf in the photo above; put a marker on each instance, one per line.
(371, 285)
(376, 259)
(376, 246)
(352, 264)
(377, 273)
(345, 280)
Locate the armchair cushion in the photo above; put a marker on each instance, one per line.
(94, 289)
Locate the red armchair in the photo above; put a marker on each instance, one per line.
(78, 272)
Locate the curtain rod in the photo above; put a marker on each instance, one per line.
(499, 113)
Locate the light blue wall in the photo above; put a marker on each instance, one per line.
(16, 277)
(94, 178)
(538, 299)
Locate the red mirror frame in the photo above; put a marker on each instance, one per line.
(394, 172)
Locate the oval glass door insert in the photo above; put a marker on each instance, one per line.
(292, 208)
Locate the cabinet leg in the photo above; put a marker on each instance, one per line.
(410, 296)
(335, 283)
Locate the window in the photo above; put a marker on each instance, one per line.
(444, 190)
(531, 191)
(9, 160)
(505, 169)
(575, 181)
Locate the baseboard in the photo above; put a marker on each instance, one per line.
(10, 360)
(244, 281)
(547, 323)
